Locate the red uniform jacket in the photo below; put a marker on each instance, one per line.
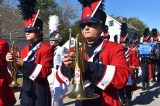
(133, 62)
(6, 93)
(133, 59)
(155, 38)
(107, 70)
(145, 39)
(43, 60)
(35, 71)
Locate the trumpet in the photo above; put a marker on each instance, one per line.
(78, 91)
(14, 67)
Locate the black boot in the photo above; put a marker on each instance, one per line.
(136, 75)
(153, 80)
(147, 86)
(158, 81)
(123, 102)
(128, 102)
(143, 86)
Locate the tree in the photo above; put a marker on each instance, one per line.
(64, 10)
(140, 25)
(76, 28)
(66, 13)
(47, 7)
(1, 2)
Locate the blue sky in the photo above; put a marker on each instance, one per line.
(146, 10)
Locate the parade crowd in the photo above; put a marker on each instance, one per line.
(111, 68)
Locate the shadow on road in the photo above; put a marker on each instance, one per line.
(146, 97)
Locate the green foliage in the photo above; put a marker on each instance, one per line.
(66, 13)
(47, 8)
(65, 10)
(76, 29)
(1, 2)
(134, 21)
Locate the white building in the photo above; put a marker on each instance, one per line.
(114, 28)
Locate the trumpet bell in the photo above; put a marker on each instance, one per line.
(79, 93)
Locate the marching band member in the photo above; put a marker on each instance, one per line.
(126, 91)
(154, 57)
(36, 60)
(57, 89)
(106, 68)
(134, 47)
(7, 97)
(155, 35)
(116, 38)
(157, 39)
(145, 60)
(106, 33)
(146, 37)
(133, 62)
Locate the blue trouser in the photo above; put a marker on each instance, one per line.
(145, 70)
(158, 70)
(154, 67)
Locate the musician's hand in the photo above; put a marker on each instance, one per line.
(69, 59)
(19, 61)
(9, 57)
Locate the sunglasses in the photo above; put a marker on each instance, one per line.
(30, 31)
(82, 25)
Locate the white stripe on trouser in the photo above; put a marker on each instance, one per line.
(57, 89)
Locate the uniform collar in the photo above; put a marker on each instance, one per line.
(95, 43)
(91, 47)
(32, 45)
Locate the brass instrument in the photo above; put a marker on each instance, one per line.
(14, 67)
(70, 35)
(78, 91)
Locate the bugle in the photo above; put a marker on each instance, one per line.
(14, 67)
(78, 91)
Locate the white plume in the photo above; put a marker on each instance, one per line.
(53, 23)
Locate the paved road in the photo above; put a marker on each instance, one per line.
(147, 98)
(140, 98)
